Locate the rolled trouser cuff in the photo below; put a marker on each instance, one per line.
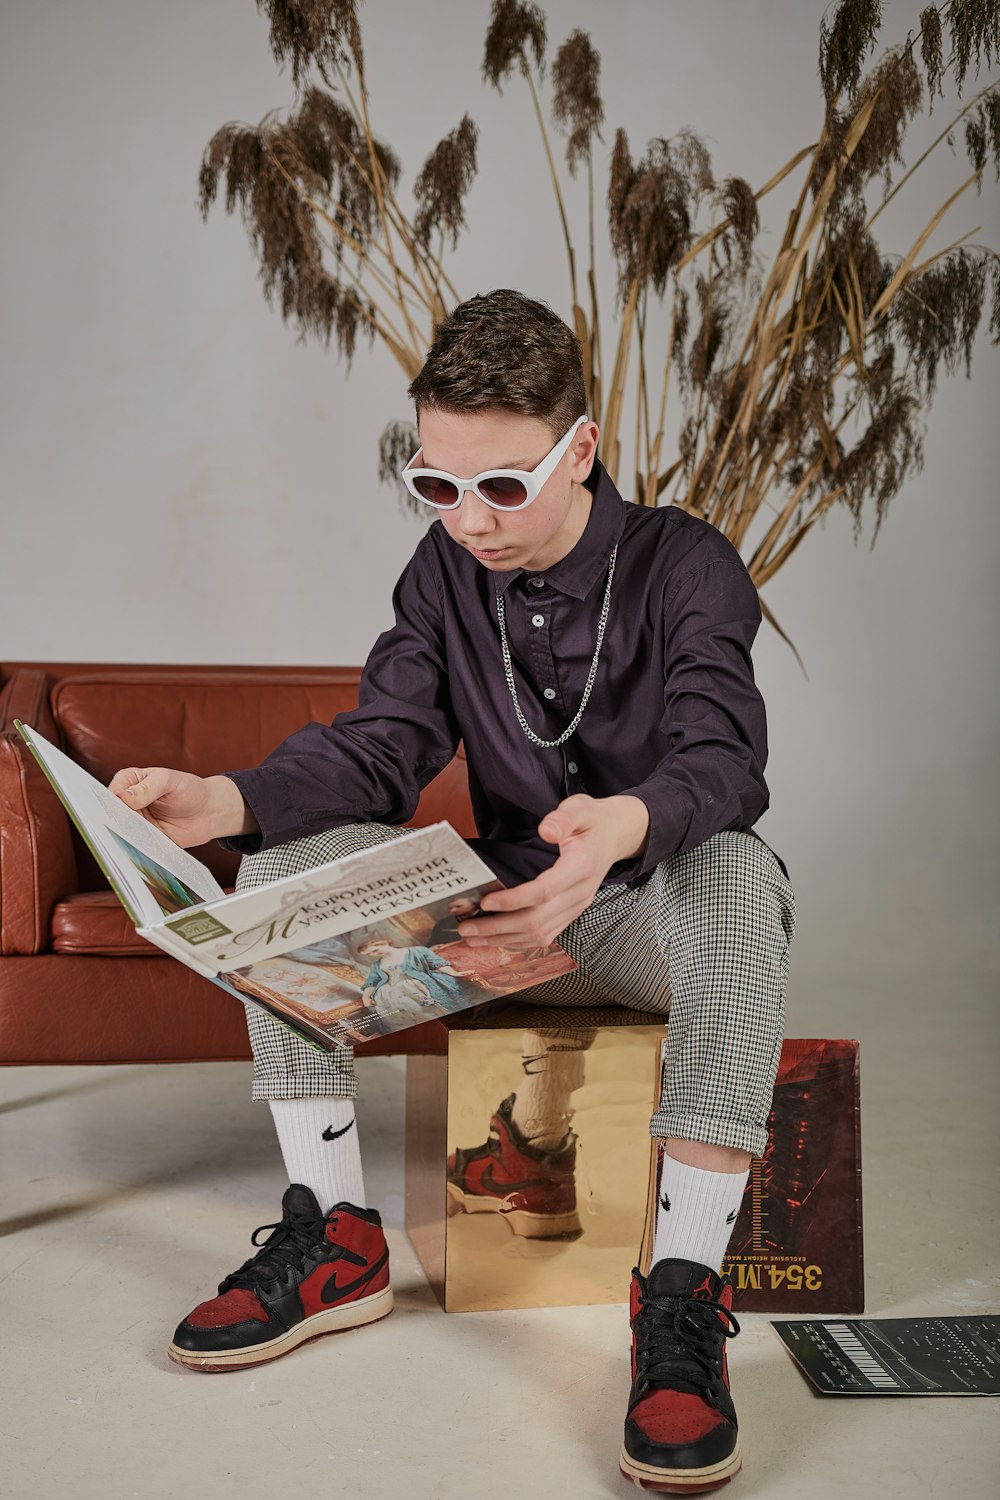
(737, 1136)
(305, 1085)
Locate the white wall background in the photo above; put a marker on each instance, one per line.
(182, 482)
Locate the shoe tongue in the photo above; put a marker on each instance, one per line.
(683, 1278)
(300, 1200)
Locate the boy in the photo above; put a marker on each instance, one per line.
(594, 658)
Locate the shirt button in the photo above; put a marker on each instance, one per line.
(538, 619)
(537, 583)
(572, 767)
(549, 693)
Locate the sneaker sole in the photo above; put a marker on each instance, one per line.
(680, 1481)
(528, 1225)
(335, 1320)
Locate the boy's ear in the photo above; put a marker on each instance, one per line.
(584, 451)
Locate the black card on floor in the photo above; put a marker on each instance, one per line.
(897, 1356)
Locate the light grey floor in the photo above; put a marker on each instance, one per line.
(129, 1191)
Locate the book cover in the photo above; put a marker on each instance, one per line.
(797, 1241)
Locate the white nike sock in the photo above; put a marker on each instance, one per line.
(553, 1067)
(697, 1213)
(319, 1142)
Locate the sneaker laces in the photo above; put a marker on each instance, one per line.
(678, 1342)
(292, 1241)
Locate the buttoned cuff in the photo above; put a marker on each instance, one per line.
(248, 784)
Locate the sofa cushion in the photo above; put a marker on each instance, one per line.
(95, 922)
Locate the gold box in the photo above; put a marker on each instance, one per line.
(473, 1260)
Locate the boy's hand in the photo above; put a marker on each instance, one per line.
(189, 809)
(593, 833)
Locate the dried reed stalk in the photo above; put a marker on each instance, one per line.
(770, 362)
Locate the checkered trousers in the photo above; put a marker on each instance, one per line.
(704, 940)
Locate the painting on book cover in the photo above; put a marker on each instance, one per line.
(397, 972)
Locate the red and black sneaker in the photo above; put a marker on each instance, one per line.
(680, 1431)
(312, 1275)
(532, 1188)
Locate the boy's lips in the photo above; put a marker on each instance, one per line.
(488, 554)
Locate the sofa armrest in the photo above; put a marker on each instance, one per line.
(37, 860)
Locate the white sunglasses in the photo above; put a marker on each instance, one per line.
(503, 489)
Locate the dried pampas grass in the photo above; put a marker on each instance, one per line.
(803, 378)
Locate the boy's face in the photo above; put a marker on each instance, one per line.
(468, 443)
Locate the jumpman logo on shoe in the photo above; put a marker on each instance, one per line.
(665, 1203)
(330, 1134)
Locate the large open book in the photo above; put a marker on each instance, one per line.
(360, 947)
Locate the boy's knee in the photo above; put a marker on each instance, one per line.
(732, 882)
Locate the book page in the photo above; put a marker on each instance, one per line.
(151, 875)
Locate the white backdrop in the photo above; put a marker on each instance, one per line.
(183, 482)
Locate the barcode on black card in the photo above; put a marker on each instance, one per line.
(856, 1352)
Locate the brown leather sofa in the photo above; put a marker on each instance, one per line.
(76, 983)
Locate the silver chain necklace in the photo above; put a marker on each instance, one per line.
(509, 670)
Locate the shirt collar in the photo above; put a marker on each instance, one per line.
(577, 572)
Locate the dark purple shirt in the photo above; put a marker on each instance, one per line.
(674, 717)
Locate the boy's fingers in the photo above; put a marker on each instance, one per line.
(510, 900)
(122, 780)
(514, 940)
(573, 815)
(553, 885)
(138, 795)
(137, 788)
(517, 897)
(505, 926)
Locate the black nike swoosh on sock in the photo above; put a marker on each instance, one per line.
(330, 1134)
(731, 1218)
(666, 1203)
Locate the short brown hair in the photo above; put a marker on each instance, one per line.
(504, 350)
